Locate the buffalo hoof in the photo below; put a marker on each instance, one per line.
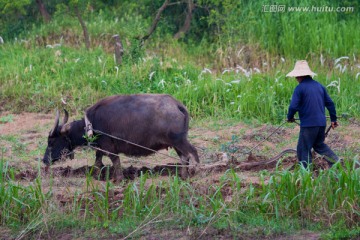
(192, 171)
(184, 173)
(97, 172)
(46, 169)
(118, 178)
(99, 166)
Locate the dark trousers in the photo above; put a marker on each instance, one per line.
(313, 137)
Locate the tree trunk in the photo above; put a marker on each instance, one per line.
(43, 11)
(156, 20)
(185, 28)
(119, 50)
(85, 31)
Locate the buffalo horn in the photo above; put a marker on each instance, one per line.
(66, 117)
(56, 124)
(65, 129)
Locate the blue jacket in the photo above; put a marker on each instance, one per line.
(310, 99)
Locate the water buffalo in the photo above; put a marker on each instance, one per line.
(155, 121)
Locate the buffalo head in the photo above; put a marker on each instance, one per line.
(59, 144)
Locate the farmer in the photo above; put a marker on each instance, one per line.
(310, 99)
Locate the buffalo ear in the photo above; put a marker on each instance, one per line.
(65, 129)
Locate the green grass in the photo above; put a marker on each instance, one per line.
(38, 79)
(6, 119)
(216, 76)
(35, 77)
(284, 203)
(289, 33)
(289, 202)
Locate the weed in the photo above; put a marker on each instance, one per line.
(6, 119)
(232, 146)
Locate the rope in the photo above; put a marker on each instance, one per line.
(89, 128)
(271, 160)
(132, 159)
(154, 164)
(267, 137)
(135, 144)
(170, 165)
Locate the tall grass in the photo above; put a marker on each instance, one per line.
(289, 33)
(36, 77)
(22, 205)
(40, 79)
(328, 200)
(48, 65)
(300, 194)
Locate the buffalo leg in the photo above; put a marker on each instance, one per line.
(118, 173)
(193, 152)
(185, 150)
(184, 164)
(185, 168)
(194, 155)
(98, 160)
(98, 165)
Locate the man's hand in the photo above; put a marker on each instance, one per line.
(334, 125)
(291, 120)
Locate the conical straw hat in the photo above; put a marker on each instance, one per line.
(301, 69)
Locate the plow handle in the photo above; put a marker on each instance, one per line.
(327, 131)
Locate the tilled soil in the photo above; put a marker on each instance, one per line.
(23, 138)
(132, 172)
(219, 149)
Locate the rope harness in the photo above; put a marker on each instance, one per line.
(89, 131)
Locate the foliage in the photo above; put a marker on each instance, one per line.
(13, 8)
(292, 32)
(231, 63)
(289, 201)
(44, 77)
(6, 119)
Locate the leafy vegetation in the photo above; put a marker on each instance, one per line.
(229, 62)
(223, 73)
(44, 78)
(331, 197)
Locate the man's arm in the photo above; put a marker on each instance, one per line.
(329, 104)
(294, 105)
